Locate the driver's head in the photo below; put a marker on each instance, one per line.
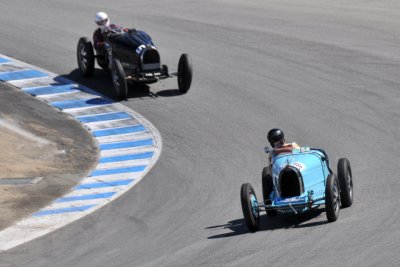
(102, 20)
(276, 137)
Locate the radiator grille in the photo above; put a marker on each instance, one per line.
(150, 60)
(290, 183)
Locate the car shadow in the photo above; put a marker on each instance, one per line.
(170, 93)
(282, 221)
(101, 83)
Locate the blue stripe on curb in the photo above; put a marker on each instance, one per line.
(80, 103)
(117, 128)
(4, 60)
(64, 210)
(53, 89)
(121, 130)
(118, 170)
(103, 184)
(21, 75)
(86, 197)
(139, 143)
(146, 155)
(104, 117)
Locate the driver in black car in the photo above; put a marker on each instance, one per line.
(103, 22)
(104, 28)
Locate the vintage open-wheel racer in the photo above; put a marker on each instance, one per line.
(302, 181)
(131, 56)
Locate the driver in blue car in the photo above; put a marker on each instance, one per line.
(276, 138)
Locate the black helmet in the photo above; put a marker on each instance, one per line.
(275, 135)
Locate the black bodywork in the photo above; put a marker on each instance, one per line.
(137, 54)
(130, 55)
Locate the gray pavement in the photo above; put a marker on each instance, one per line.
(326, 72)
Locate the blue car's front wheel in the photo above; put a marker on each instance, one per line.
(332, 198)
(251, 211)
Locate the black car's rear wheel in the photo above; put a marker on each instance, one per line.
(251, 212)
(85, 57)
(332, 198)
(185, 72)
(346, 182)
(119, 80)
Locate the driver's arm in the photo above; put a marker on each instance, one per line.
(285, 149)
(98, 40)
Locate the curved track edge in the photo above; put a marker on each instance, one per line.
(129, 146)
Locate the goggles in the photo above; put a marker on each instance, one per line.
(101, 22)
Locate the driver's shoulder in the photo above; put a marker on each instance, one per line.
(97, 31)
(115, 26)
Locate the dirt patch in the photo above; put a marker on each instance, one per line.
(37, 140)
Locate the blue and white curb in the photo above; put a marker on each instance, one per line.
(129, 146)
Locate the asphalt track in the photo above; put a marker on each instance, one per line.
(326, 72)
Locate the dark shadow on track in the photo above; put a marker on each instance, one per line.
(101, 83)
(284, 221)
(169, 93)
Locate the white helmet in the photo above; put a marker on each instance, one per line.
(102, 20)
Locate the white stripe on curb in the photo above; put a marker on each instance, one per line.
(129, 147)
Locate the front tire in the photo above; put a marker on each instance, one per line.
(332, 198)
(185, 73)
(85, 57)
(346, 182)
(251, 212)
(119, 80)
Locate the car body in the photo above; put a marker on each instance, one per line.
(302, 181)
(299, 180)
(130, 55)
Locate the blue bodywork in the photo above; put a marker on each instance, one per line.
(308, 170)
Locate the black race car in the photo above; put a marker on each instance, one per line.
(130, 55)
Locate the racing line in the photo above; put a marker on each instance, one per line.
(129, 146)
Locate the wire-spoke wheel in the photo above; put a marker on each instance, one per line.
(251, 211)
(119, 80)
(332, 198)
(346, 182)
(85, 57)
(185, 72)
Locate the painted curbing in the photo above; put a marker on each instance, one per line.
(129, 147)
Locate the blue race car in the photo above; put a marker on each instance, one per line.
(302, 181)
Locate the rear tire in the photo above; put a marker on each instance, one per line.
(332, 198)
(85, 57)
(119, 80)
(267, 187)
(251, 212)
(185, 73)
(346, 182)
(266, 183)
